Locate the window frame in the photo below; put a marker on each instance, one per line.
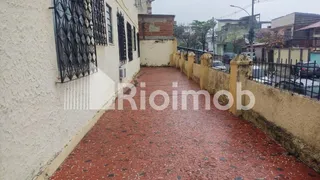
(109, 26)
(75, 49)
(138, 42)
(99, 22)
(317, 31)
(134, 38)
(122, 39)
(130, 41)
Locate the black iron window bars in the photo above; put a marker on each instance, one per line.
(135, 38)
(99, 22)
(138, 38)
(122, 38)
(75, 42)
(129, 36)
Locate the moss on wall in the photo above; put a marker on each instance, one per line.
(295, 146)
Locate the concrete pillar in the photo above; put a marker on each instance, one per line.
(172, 59)
(191, 58)
(204, 70)
(181, 62)
(174, 52)
(177, 59)
(241, 69)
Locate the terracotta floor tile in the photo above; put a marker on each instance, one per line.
(183, 144)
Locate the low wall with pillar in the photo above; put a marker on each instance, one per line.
(215, 81)
(290, 119)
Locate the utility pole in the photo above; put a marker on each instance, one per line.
(251, 26)
(251, 31)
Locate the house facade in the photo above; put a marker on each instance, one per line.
(290, 25)
(156, 39)
(61, 63)
(222, 33)
(232, 34)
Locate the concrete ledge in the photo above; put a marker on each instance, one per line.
(295, 146)
(160, 38)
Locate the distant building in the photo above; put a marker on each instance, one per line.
(230, 31)
(313, 32)
(291, 27)
(144, 6)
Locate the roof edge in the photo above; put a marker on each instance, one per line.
(157, 15)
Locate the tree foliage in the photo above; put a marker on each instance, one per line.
(270, 38)
(186, 37)
(195, 35)
(201, 29)
(236, 40)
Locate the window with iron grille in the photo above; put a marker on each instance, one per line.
(122, 38)
(317, 31)
(99, 21)
(138, 38)
(129, 36)
(109, 23)
(75, 44)
(135, 38)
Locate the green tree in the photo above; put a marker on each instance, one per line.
(237, 41)
(186, 36)
(201, 30)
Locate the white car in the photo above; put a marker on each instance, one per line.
(306, 87)
(218, 65)
(258, 75)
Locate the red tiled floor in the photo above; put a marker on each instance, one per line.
(150, 144)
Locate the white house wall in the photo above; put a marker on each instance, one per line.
(156, 52)
(283, 21)
(34, 123)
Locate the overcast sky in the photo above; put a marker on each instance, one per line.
(188, 10)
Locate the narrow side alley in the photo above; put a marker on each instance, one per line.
(168, 144)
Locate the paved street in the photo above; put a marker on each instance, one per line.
(178, 145)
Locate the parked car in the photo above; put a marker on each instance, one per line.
(304, 86)
(306, 70)
(259, 75)
(218, 65)
(228, 56)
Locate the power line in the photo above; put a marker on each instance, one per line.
(236, 12)
(245, 7)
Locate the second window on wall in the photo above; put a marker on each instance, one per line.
(130, 42)
(134, 37)
(109, 23)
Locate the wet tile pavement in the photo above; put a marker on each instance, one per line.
(178, 145)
